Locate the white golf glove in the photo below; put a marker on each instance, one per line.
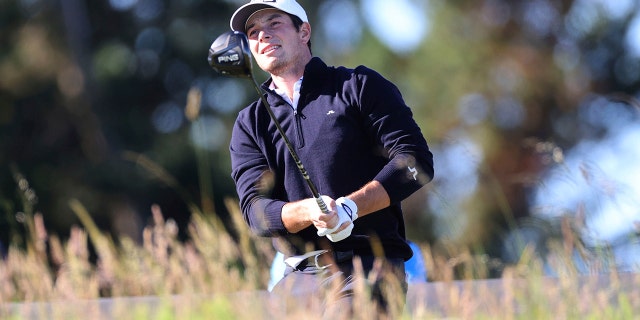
(325, 231)
(347, 211)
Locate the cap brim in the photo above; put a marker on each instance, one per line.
(240, 17)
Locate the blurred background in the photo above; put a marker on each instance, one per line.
(531, 109)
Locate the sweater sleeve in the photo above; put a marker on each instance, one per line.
(391, 122)
(250, 171)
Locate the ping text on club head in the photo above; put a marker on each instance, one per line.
(229, 58)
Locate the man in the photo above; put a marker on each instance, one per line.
(359, 143)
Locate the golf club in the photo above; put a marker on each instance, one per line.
(229, 55)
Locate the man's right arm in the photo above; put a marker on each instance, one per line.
(253, 178)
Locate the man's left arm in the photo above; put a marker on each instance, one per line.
(370, 198)
(410, 164)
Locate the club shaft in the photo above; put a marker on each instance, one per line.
(292, 151)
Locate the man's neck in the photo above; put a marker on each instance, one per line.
(286, 84)
(286, 81)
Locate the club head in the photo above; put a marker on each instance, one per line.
(229, 55)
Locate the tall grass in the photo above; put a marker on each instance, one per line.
(210, 263)
(214, 276)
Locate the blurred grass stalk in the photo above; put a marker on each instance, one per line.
(192, 113)
(205, 178)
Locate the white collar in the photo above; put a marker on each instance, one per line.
(296, 93)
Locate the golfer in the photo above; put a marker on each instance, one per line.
(360, 146)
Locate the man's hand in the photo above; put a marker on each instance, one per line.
(328, 223)
(348, 213)
(342, 212)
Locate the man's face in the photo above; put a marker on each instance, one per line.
(275, 43)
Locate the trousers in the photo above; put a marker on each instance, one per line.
(333, 282)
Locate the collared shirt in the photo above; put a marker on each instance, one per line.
(283, 94)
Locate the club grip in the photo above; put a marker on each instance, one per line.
(322, 205)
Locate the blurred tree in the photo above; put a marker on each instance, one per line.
(93, 95)
(84, 82)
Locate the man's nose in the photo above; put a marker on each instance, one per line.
(263, 35)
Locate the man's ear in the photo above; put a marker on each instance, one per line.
(305, 32)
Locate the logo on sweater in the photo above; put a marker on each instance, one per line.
(330, 112)
(414, 171)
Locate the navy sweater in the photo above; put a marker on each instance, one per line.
(351, 126)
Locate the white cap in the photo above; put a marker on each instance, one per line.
(240, 17)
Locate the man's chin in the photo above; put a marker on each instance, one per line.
(271, 66)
